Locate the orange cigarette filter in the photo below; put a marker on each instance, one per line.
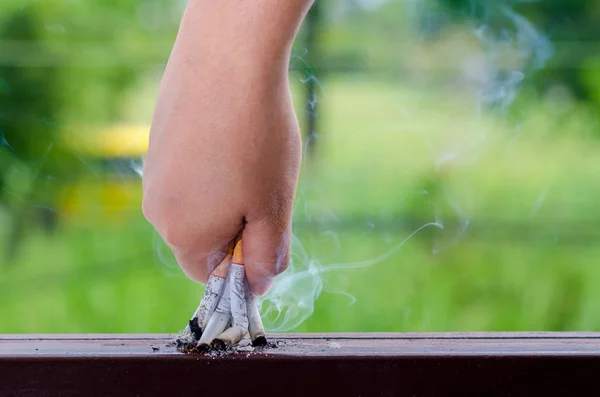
(223, 267)
(238, 258)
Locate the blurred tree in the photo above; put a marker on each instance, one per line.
(573, 27)
(312, 73)
(28, 107)
(28, 100)
(66, 66)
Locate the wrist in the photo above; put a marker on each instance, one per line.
(254, 35)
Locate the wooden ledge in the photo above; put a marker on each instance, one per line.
(308, 364)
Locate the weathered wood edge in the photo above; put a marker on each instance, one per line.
(446, 364)
(333, 335)
(316, 346)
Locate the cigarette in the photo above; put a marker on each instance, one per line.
(228, 338)
(188, 338)
(214, 288)
(237, 295)
(213, 291)
(255, 324)
(228, 310)
(218, 321)
(237, 285)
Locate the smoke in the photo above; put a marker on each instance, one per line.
(511, 50)
(292, 298)
(514, 49)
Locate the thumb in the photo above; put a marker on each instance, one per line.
(266, 250)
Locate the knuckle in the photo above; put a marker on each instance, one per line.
(164, 215)
(283, 262)
(174, 235)
(153, 203)
(192, 267)
(147, 209)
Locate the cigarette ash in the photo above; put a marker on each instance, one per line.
(244, 347)
(335, 345)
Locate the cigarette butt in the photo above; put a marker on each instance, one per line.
(186, 341)
(213, 290)
(219, 319)
(214, 287)
(195, 329)
(256, 328)
(217, 324)
(228, 338)
(237, 288)
(251, 317)
(237, 284)
(260, 341)
(210, 300)
(190, 335)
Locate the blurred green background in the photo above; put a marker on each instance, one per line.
(451, 179)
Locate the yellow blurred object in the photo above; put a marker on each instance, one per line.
(121, 141)
(107, 201)
(113, 197)
(124, 141)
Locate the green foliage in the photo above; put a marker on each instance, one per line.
(67, 66)
(71, 62)
(571, 26)
(528, 261)
(28, 99)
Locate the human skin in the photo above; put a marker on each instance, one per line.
(225, 146)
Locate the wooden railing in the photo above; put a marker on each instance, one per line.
(495, 364)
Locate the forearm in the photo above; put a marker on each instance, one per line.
(256, 35)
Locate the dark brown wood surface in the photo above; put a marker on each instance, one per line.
(454, 364)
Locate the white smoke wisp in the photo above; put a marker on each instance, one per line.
(137, 167)
(291, 299)
(512, 53)
(293, 296)
(512, 50)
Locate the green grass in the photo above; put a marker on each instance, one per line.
(528, 261)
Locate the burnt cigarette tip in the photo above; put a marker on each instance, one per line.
(219, 344)
(185, 342)
(182, 345)
(187, 348)
(203, 348)
(195, 328)
(259, 341)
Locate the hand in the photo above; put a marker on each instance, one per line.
(224, 157)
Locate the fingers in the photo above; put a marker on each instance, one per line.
(199, 238)
(198, 264)
(198, 229)
(266, 250)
